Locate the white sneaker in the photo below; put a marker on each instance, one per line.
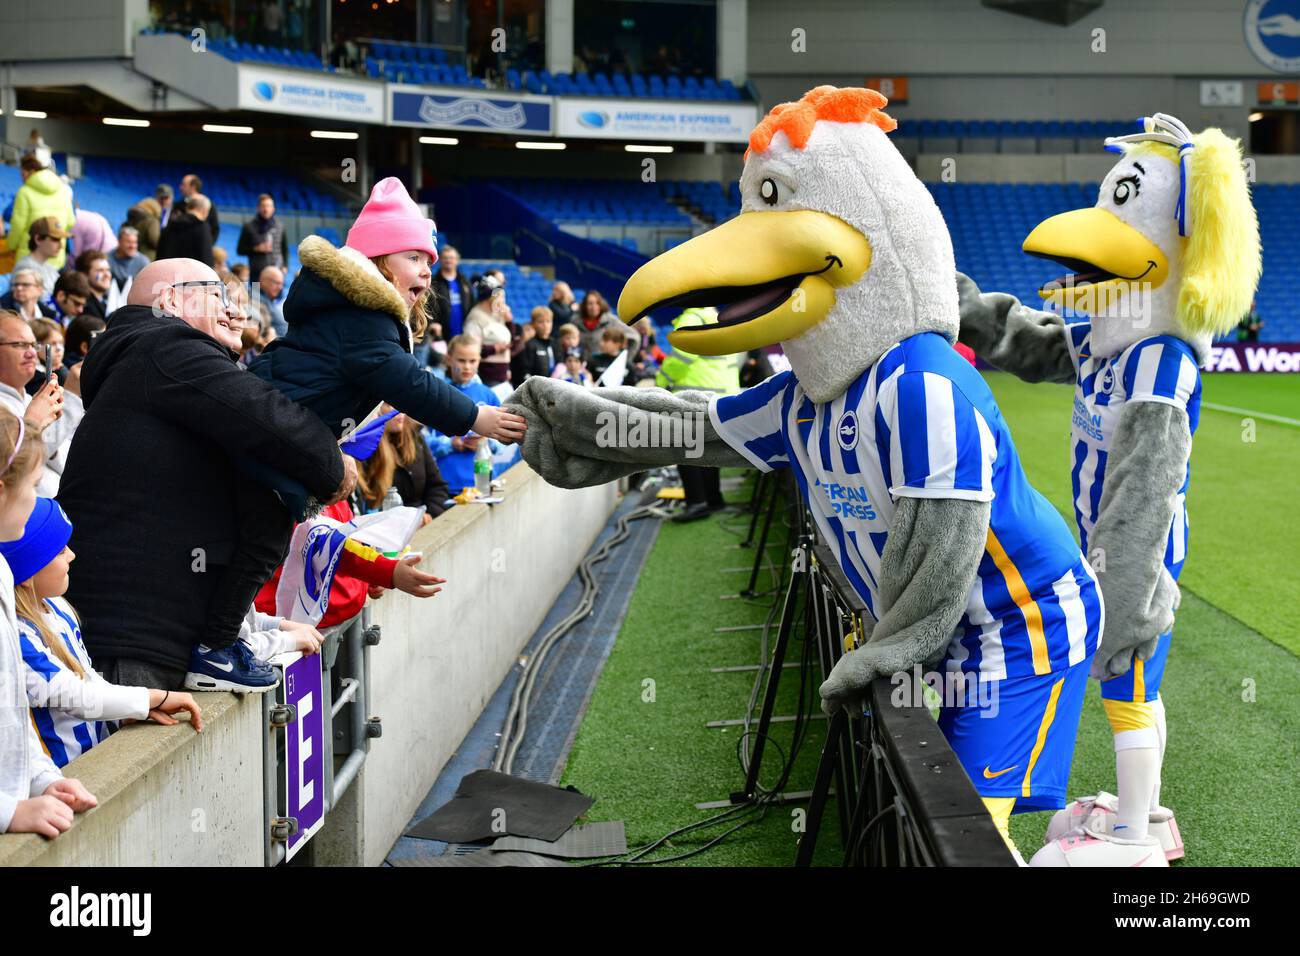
(1103, 806)
(1077, 813)
(1088, 846)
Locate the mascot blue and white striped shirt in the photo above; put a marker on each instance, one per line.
(1159, 369)
(921, 422)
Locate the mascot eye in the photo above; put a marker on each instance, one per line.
(1126, 187)
(767, 189)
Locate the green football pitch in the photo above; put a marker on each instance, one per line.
(1232, 687)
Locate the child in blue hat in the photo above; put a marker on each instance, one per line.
(35, 797)
(70, 703)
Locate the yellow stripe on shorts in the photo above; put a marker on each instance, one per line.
(1139, 681)
(1128, 714)
(1028, 606)
(1048, 716)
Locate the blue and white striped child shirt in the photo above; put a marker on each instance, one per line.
(71, 712)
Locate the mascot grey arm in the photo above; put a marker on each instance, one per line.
(930, 560)
(578, 437)
(928, 568)
(1145, 469)
(1013, 337)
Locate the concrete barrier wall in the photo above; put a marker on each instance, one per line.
(441, 659)
(170, 797)
(167, 796)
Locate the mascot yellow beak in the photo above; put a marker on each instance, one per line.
(1106, 254)
(771, 276)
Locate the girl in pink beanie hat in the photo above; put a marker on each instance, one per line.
(353, 314)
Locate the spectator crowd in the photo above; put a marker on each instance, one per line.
(212, 403)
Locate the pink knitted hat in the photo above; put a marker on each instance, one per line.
(391, 222)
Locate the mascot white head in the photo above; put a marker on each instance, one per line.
(838, 253)
(1172, 246)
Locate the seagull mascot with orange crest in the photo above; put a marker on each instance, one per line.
(1167, 258)
(897, 446)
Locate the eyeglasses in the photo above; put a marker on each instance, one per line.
(19, 345)
(217, 283)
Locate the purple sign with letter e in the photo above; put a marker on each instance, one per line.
(304, 750)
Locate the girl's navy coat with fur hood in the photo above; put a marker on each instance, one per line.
(349, 348)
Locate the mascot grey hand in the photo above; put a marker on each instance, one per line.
(905, 464)
(1168, 258)
(578, 437)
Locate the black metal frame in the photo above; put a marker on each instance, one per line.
(903, 796)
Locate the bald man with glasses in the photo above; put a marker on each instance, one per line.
(152, 486)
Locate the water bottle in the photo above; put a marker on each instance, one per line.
(483, 468)
(391, 500)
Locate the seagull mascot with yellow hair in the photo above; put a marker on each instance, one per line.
(898, 448)
(1167, 258)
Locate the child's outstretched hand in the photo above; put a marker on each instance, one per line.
(409, 578)
(171, 702)
(502, 425)
(73, 793)
(306, 638)
(47, 815)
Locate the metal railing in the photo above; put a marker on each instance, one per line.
(347, 729)
(902, 797)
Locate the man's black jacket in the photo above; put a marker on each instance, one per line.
(150, 482)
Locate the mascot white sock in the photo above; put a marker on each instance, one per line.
(1137, 770)
(1158, 708)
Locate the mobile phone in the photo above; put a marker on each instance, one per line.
(49, 368)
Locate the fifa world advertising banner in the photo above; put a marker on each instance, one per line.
(1254, 357)
(504, 113)
(320, 96)
(639, 120)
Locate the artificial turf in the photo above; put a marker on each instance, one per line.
(1242, 550)
(1232, 771)
(1271, 394)
(1232, 767)
(643, 750)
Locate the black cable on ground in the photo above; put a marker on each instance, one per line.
(756, 810)
(516, 723)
